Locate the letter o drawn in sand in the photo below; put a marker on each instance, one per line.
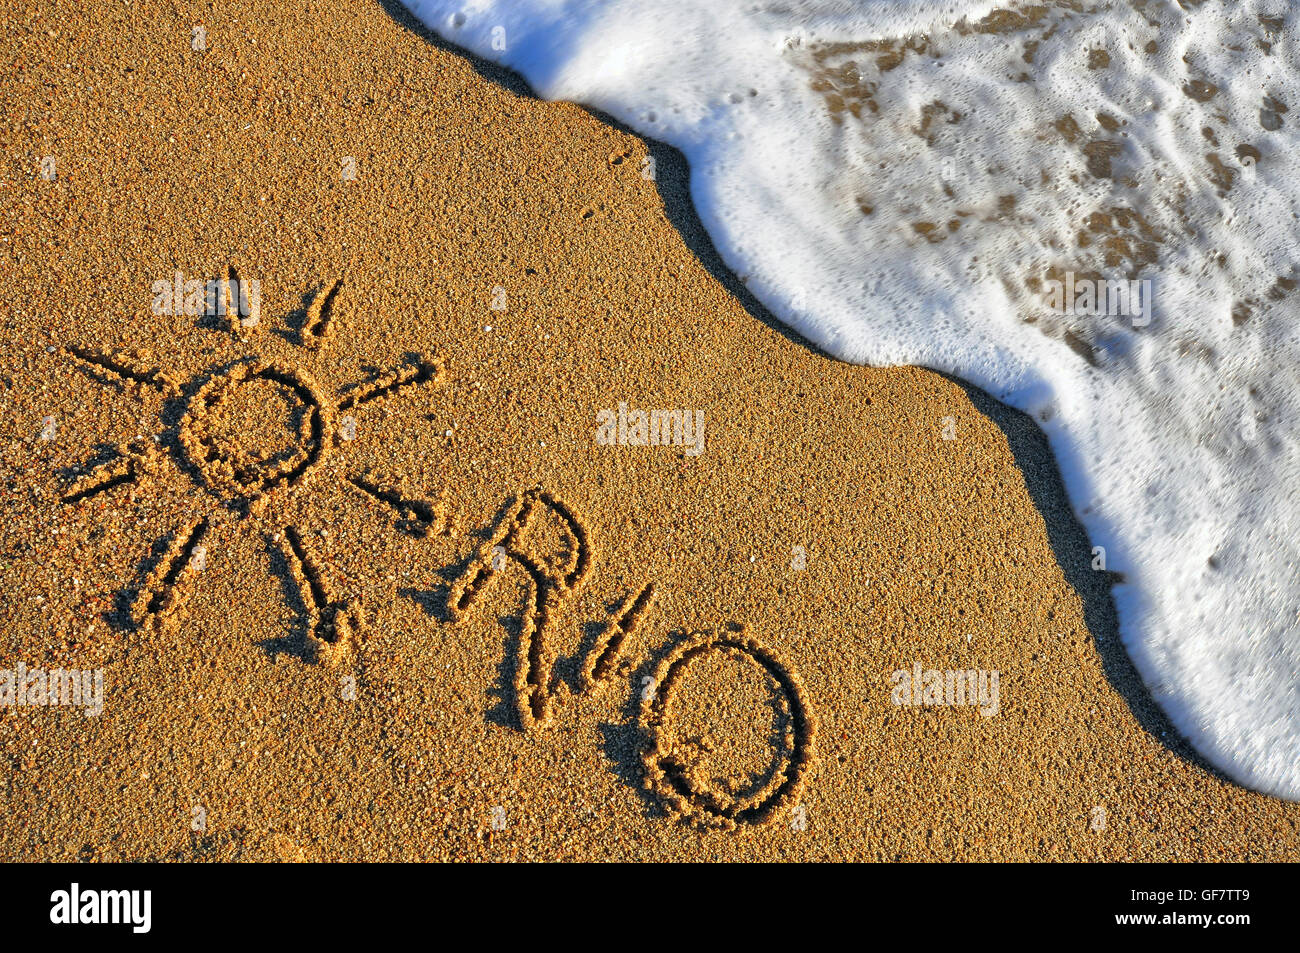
(675, 766)
(225, 464)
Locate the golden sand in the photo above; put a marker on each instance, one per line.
(363, 583)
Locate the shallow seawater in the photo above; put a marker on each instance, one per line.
(1088, 209)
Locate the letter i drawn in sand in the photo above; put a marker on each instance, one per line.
(239, 480)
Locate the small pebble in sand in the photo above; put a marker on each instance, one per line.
(348, 428)
(48, 428)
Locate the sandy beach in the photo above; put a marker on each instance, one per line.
(399, 573)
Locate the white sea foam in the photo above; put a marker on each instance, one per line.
(896, 180)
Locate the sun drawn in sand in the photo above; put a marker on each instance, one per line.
(215, 448)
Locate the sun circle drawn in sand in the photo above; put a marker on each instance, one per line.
(224, 460)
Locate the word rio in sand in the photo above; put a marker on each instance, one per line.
(654, 428)
(675, 766)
